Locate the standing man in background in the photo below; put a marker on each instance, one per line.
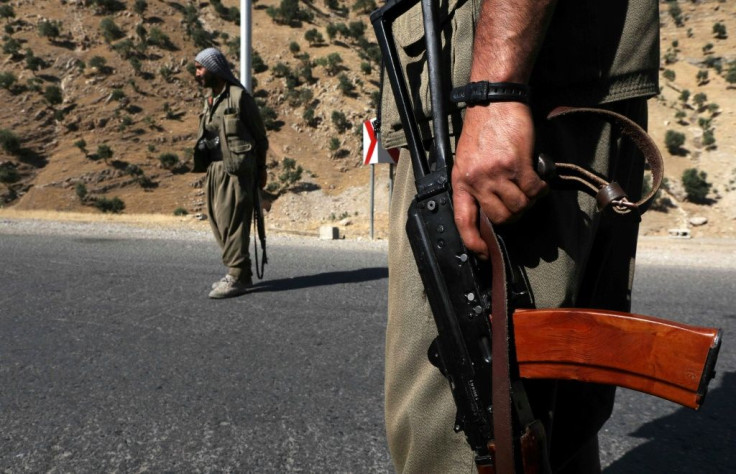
(231, 147)
(582, 53)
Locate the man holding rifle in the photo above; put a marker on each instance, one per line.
(569, 53)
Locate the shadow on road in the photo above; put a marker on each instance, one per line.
(322, 279)
(688, 441)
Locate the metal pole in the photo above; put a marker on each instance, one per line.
(372, 196)
(245, 44)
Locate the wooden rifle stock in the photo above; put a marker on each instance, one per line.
(667, 359)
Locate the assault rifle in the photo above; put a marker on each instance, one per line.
(475, 303)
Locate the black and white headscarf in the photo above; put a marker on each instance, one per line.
(216, 63)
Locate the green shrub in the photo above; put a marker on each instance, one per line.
(269, 116)
(676, 13)
(11, 46)
(52, 94)
(673, 141)
(9, 173)
(117, 94)
(313, 36)
(696, 185)
(9, 141)
(364, 6)
(289, 13)
(334, 144)
(281, 70)
(166, 73)
(49, 29)
(257, 63)
(180, 211)
(7, 79)
(340, 121)
(82, 145)
(168, 160)
(6, 11)
(345, 85)
(104, 152)
(139, 6)
(114, 205)
(156, 37)
(33, 63)
(709, 138)
(700, 99)
(291, 173)
(309, 116)
(719, 30)
(81, 191)
(110, 30)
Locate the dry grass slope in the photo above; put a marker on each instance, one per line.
(139, 101)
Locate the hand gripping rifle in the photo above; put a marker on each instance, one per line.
(485, 346)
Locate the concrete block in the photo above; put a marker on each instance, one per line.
(328, 232)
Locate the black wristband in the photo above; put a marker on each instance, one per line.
(485, 92)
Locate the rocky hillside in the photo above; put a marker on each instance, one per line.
(101, 107)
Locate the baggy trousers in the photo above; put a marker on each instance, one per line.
(230, 208)
(574, 256)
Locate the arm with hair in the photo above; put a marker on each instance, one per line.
(493, 165)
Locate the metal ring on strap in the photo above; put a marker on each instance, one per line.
(611, 193)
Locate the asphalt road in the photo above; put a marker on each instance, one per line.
(113, 359)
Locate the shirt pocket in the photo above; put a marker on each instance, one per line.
(240, 145)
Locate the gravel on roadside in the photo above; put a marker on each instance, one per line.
(665, 251)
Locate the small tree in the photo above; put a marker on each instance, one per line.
(140, 6)
(364, 6)
(82, 145)
(11, 46)
(709, 139)
(9, 141)
(702, 77)
(719, 31)
(7, 79)
(33, 63)
(52, 94)
(104, 152)
(309, 116)
(80, 190)
(168, 160)
(700, 99)
(696, 185)
(340, 121)
(9, 173)
(668, 74)
(49, 29)
(294, 47)
(357, 30)
(258, 64)
(110, 30)
(676, 13)
(114, 205)
(291, 173)
(345, 85)
(7, 12)
(731, 74)
(673, 141)
(313, 36)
